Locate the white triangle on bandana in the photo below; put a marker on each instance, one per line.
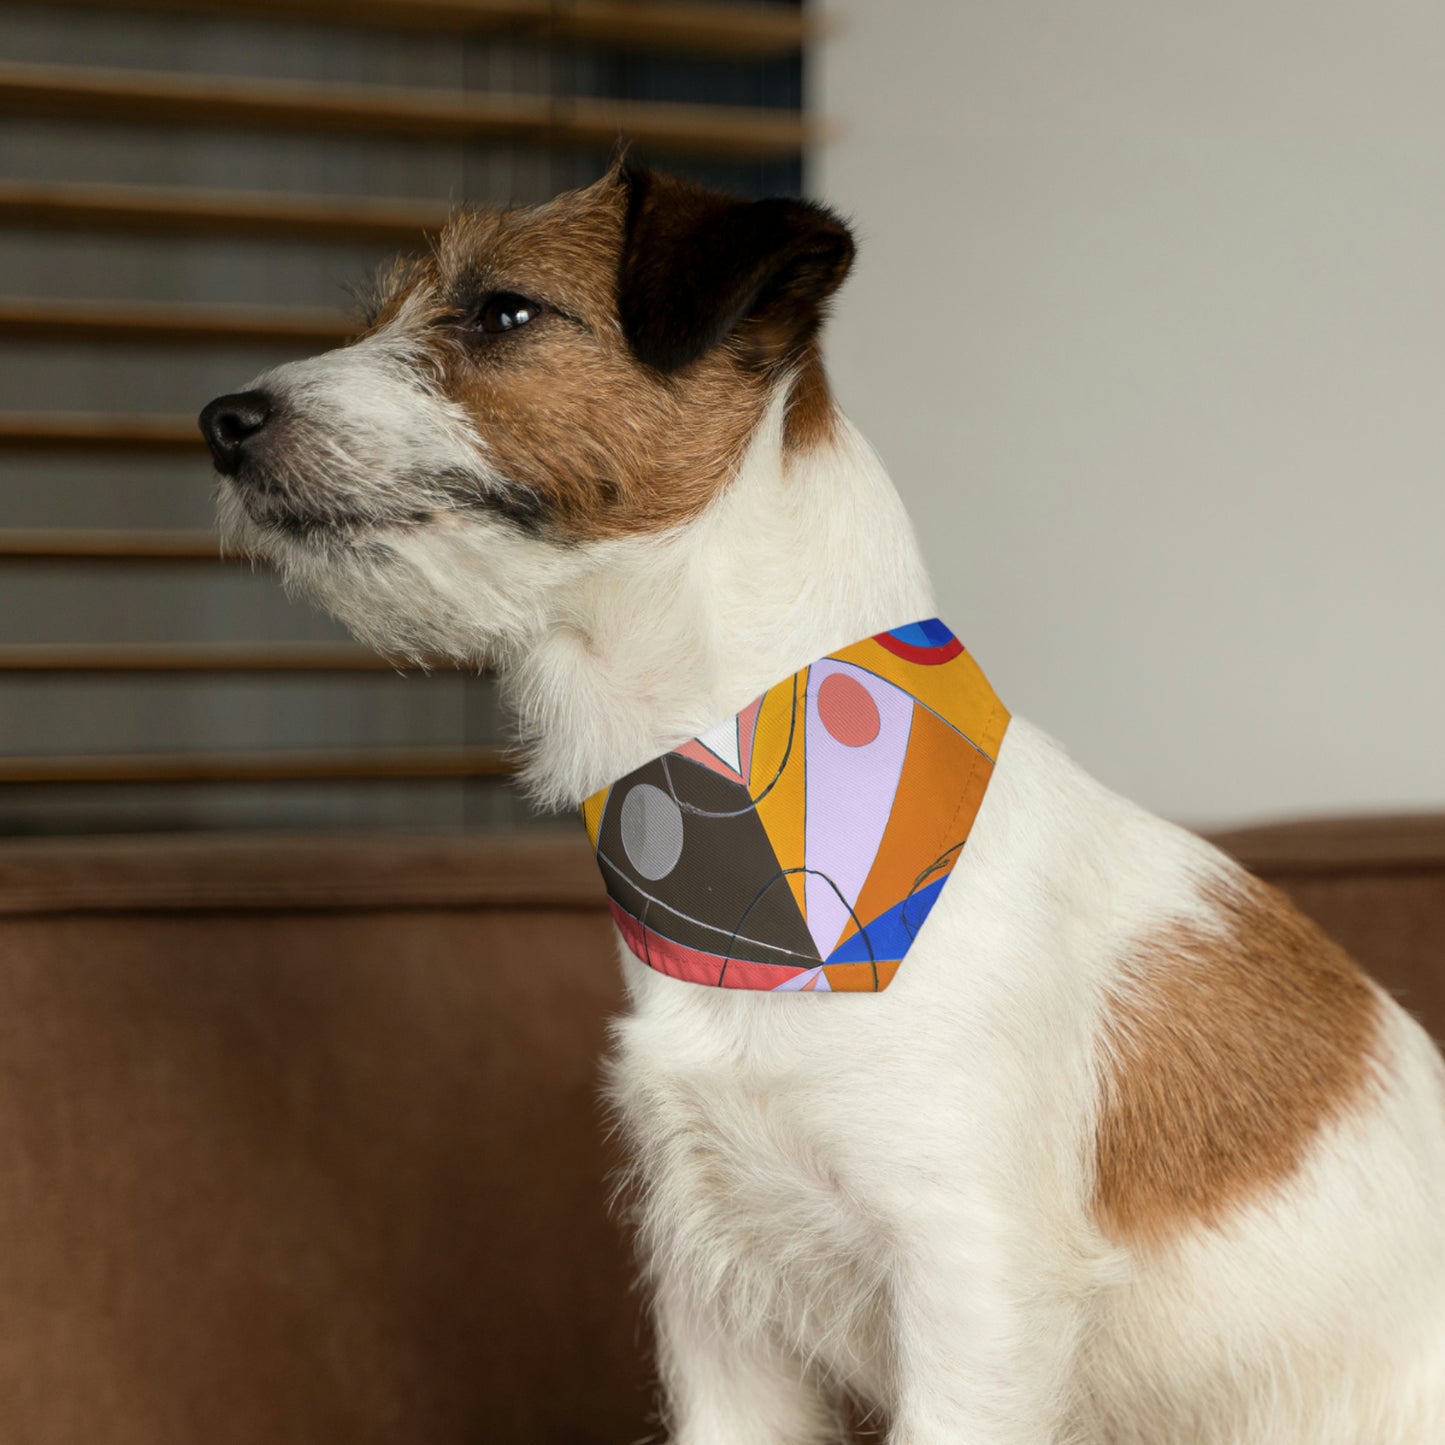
(721, 741)
(800, 982)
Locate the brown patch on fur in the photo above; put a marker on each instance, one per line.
(1230, 1050)
(812, 414)
(597, 442)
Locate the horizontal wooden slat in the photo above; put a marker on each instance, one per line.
(178, 657)
(216, 101)
(264, 767)
(174, 211)
(96, 431)
(108, 546)
(704, 29)
(300, 872)
(171, 324)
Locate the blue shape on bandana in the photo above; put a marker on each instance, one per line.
(930, 633)
(890, 934)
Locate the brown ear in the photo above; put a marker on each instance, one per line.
(699, 266)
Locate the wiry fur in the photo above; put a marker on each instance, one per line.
(897, 1196)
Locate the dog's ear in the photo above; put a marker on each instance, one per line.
(699, 266)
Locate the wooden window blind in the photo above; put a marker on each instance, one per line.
(187, 190)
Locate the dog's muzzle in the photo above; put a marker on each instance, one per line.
(231, 424)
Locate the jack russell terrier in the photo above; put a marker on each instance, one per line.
(1119, 1149)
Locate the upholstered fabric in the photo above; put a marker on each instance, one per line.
(326, 1171)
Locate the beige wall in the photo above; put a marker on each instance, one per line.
(1149, 324)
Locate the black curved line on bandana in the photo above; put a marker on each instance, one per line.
(752, 807)
(935, 867)
(757, 898)
(651, 899)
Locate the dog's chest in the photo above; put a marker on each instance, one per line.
(751, 1184)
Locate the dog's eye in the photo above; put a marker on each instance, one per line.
(505, 311)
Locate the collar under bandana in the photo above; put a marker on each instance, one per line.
(801, 844)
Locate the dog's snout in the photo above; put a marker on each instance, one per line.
(229, 422)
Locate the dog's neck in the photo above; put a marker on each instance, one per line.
(662, 637)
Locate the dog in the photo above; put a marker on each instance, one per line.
(1126, 1152)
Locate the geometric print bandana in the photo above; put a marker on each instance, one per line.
(799, 846)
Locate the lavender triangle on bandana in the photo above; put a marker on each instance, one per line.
(799, 846)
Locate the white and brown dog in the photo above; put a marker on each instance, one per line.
(1129, 1152)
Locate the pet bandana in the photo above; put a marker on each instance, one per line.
(800, 845)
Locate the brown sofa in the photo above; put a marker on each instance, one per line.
(299, 1141)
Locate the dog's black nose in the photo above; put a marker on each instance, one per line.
(229, 422)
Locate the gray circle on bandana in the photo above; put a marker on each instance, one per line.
(651, 825)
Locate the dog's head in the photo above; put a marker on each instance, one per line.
(546, 380)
